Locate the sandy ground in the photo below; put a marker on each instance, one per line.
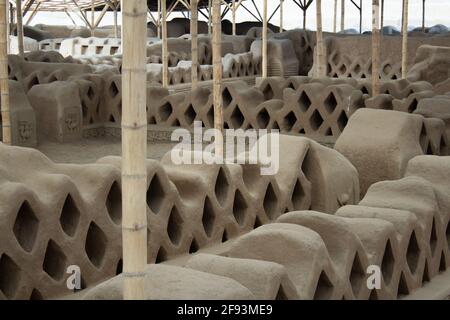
(92, 149)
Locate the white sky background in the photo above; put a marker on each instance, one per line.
(437, 12)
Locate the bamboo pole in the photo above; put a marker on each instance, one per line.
(134, 149)
(382, 17)
(375, 47)
(233, 15)
(304, 18)
(282, 15)
(405, 40)
(335, 16)
(92, 17)
(8, 27)
(20, 27)
(209, 17)
(321, 71)
(4, 84)
(423, 15)
(342, 15)
(217, 76)
(158, 27)
(116, 24)
(165, 51)
(264, 41)
(194, 43)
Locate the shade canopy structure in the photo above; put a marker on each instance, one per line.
(69, 5)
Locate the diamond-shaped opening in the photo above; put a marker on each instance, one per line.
(270, 202)
(226, 98)
(174, 226)
(388, 262)
(289, 121)
(26, 227)
(113, 90)
(387, 68)
(237, 118)
(210, 118)
(194, 246)
(190, 115)
(304, 102)
(412, 253)
(413, 106)
(208, 217)
(330, 103)
(263, 119)
(424, 138)
(165, 111)
(225, 236)
(426, 275)
(114, 203)
(324, 288)
(36, 295)
(328, 132)
(239, 207)
(155, 195)
(281, 294)
(364, 90)
(342, 121)
(161, 256)
(442, 146)
(95, 246)
(257, 223)
(316, 120)
(70, 216)
(90, 93)
(447, 233)
(402, 287)
(34, 82)
(268, 92)
(55, 261)
(9, 276)
(298, 196)
(343, 69)
(221, 187)
(433, 238)
(119, 267)
(357, 275)
(442, 263)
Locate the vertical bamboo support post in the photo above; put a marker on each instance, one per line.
(20, 27)
(194, 43)
(209, 17)
(8, 27)
(304, 18)
(382, 17)
(320, 71)
(423, 15)
(264, 41)
(375, 47)
(92, 18)
(217, 76)
(233, 16)
(4, 84)
(116, 24)
(335, 16)
(405, 40)
(342, 15)
(281, 15)
(158, 22)
(165, 51)
(134, 149)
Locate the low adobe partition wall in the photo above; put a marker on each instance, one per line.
(350, 57)
(57, 215)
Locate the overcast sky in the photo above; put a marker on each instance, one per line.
(437, 11)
